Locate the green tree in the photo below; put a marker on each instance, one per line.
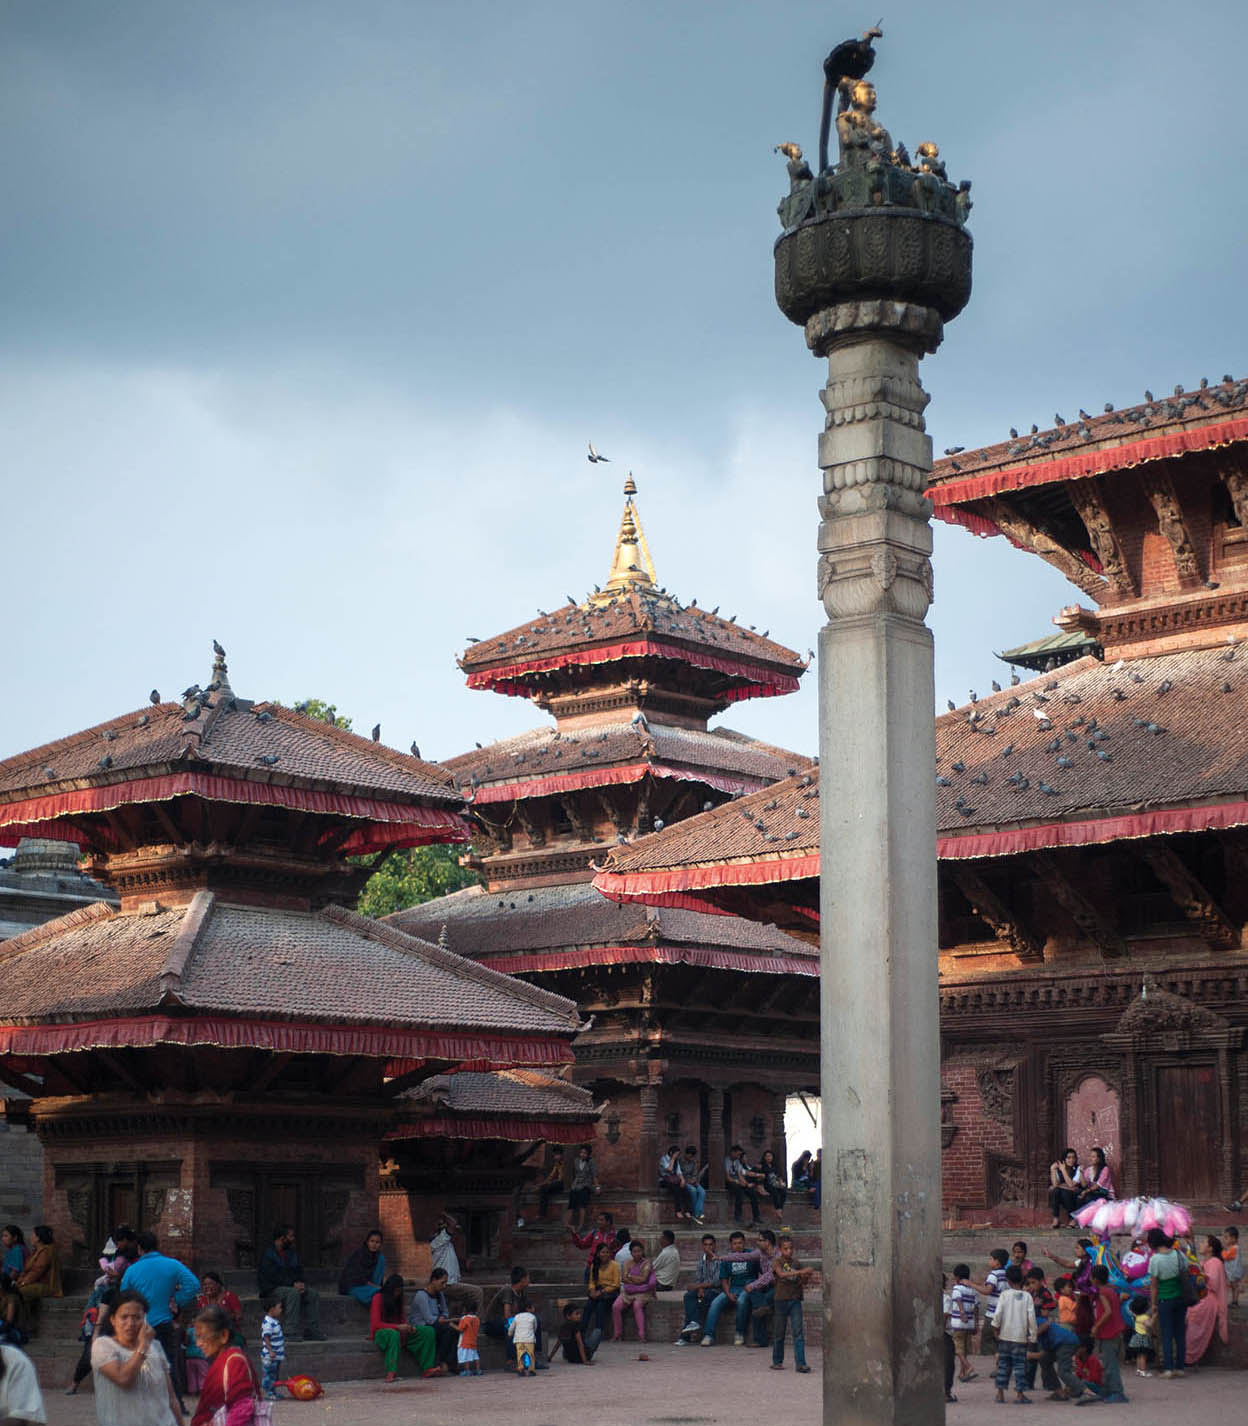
(326, 712)
(415, 874)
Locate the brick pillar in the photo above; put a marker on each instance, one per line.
(715, 1147)
(648, 1147)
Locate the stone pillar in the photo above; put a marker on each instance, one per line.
(879, 1002)
(715, 1147)
(874, 257)
(648, 1145)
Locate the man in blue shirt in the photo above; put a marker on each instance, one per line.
(1059, 1343)
(166, 1285)
(736, 1272)
(280, 1274)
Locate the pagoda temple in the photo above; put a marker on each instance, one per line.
(1093, 824)
(229, 1046)
(701, 1024)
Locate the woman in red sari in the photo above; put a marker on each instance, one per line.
(230, 1382)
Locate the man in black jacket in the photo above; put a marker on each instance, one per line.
(280, 1274)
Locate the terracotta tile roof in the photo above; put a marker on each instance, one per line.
(636, 613)
(1166, 733)
(230, 737)
(572, 916)
(1139, 736)
(331, 966)
(507, 1093)
(779, 823)
(1182, 411)
(543, 752)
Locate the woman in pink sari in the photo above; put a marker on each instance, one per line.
(637, 1285)
(1210, 1311)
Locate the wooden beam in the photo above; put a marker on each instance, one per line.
(118, 1070)
(1235, 478)
(167, 824)
(996, 912)
(1189, 894)
(1165, 502)
(1016, 527)
(119, 830)
(1087, 918)
(260, 1082)
(1086, 497)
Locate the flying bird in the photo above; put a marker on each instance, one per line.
(593, 457)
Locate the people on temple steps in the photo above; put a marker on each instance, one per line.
(280, 1274)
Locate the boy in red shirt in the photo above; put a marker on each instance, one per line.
(1108, 1326)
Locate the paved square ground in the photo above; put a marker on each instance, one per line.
(690, 1386)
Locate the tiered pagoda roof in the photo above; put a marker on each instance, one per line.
(678, 656)
(219, 749)
(225, 823)
(547, 761)
(259, 977)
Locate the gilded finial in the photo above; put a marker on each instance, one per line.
(631, 567)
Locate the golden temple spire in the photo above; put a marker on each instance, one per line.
(631, 567)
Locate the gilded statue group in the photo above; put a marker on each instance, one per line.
(870, 170)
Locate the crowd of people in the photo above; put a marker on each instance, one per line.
(1158, 1307)
(683, 1179)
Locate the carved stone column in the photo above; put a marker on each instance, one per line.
(648, 1145)
(715, 1147)
(872, 287)
(879, 1005)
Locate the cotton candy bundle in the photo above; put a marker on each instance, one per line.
(1178, 1221)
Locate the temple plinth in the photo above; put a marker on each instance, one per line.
(873, 260)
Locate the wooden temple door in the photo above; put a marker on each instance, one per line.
(1189, 1132)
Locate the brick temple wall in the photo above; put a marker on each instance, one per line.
(21, 1177)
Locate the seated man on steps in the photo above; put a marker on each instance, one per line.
(736, 1272)
(505, 1304)
(705, 1289)
(666, 1262)
(280, 1274)
(741, 1182)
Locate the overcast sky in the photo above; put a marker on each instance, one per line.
(308, 310)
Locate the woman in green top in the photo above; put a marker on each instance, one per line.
(1166, 1292)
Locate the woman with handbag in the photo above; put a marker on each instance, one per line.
(1170, 1286)
(229, 1395)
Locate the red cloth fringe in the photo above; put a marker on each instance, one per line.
(762, 684)
(395, 824)
(1079, 465)
(555, 1131)
(520, 962)
(602, 777)
(468, 1051)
